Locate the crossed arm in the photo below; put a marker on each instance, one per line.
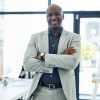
(68, 59)
(69, 51)
(39, 64)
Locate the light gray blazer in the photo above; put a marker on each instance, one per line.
(65, 63)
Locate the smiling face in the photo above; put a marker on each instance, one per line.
(54, 16)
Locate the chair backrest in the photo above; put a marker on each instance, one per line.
(24, 74)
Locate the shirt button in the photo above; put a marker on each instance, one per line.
(53, 45)
(50, 76)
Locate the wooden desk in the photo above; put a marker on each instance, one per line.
(15, 89)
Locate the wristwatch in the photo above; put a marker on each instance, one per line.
(42, 56)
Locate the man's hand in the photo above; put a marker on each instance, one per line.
(70, 50)
(40, 56)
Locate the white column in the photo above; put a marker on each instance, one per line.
(98, 64)
(1, 63)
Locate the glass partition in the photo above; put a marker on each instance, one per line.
(90, 60)
(79, 5)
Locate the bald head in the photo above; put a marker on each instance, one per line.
(52, 6)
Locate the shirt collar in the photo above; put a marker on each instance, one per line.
(59, 31)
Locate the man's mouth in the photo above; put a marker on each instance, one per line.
(53, 23)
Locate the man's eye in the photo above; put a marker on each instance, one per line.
(58, 14)
(49, 15)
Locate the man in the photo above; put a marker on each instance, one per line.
(53, 55)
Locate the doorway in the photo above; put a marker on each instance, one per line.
(87, 24)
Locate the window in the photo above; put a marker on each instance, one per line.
(25, 5)
(80, 5)
(90, 59)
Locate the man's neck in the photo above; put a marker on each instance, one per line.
(55, 31)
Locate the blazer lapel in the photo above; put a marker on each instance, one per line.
(45, 42)
(61, 42)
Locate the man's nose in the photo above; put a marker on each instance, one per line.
(53, 17)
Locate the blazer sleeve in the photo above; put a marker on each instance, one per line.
(30, 63)
(65, 61)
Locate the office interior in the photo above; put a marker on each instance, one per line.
(19, 19)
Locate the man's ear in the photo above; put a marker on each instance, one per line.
(63, 15)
